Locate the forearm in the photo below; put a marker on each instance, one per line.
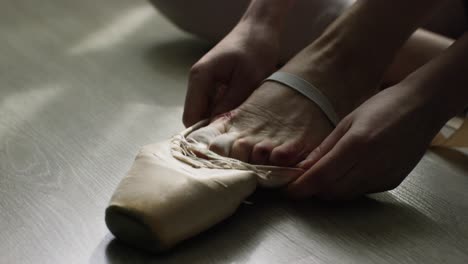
(269, 12)
(443, 82)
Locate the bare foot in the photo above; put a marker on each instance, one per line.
(277, 125)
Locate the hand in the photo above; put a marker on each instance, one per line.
(373, 149)
(223, 78)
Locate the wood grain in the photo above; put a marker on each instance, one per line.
(85, 83)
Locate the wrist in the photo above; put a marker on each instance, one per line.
(442, 81)
(428, 97)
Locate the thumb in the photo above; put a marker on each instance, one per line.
(201, 86)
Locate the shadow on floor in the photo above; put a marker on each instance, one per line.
(367, 223)
(175, 57)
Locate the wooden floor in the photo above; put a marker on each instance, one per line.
(84, 84)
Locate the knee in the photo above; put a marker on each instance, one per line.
(208, 19)
(175, 12)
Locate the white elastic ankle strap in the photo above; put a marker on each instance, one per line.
(308, 90)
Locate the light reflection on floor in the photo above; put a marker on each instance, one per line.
(115, 32)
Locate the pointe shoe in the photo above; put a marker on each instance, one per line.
(170, 194)
(179, 188)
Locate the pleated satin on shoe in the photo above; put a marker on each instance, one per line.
(170, 194)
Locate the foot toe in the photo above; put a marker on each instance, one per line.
(261, 152)
(222, 144)
(287, 154)
(242, 148)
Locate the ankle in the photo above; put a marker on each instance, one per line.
(336, 74)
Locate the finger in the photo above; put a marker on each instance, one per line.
(222, 144)
(201, 86)
(327, 144)
(335, 164)
(367, 176)
(352, 185)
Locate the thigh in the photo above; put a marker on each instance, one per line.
(443, 27)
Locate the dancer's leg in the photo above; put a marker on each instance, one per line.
(279, 126)
(213, 19)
